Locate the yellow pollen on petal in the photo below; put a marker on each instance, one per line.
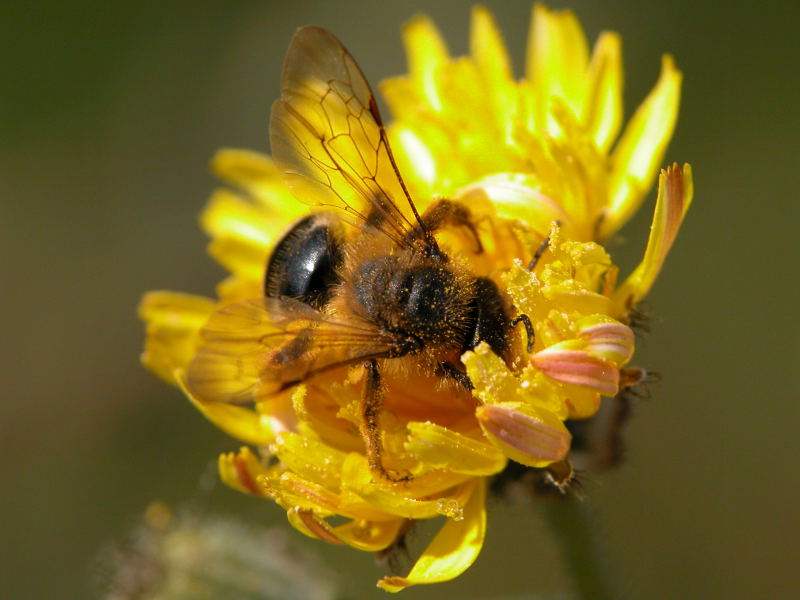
(439, 447)
(450, 508)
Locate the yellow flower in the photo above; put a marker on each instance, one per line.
(542, 148)
(537, 158)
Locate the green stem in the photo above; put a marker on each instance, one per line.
(573, 526)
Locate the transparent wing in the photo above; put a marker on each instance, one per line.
(253, 349)
(327, 135)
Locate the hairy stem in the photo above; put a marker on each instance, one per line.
(573, 526)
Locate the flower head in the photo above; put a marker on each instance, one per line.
(540, 165)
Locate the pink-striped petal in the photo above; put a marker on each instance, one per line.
(578, 367)
(531, 437)
(607, 338)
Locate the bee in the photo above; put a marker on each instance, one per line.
(362, 281)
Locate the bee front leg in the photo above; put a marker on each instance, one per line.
(370, 430)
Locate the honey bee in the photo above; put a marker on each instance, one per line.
(361, 281)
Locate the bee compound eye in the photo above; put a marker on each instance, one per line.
(304, 263)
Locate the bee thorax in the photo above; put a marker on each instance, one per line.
(420, 301)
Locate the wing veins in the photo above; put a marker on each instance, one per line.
(394, 215)
(329, 367)
(320, 71)
(397, 235)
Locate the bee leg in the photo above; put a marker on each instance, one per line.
(459, 376)
(448, 213)
(370, 431)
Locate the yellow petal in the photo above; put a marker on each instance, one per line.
(240, 257)
(414, 156)
(310, 459)
(317, 417)
(602, 111)
(175, 310)
(557, 59)
(236, 289)
(517, 196)
(363, 535)
(397, 498)
(244, 168)
(641, 149)
(524, 287)
(489, 374)
(454, 548)
(173, 321)
(529, 436)
(402, 98)
(229, 215)
(571, 295)
(675, 193)
(490, 55)
(495, 384)
(487, 47)
(426, 53)
(305, 521)
(242, 423)
(242, 471)
(443, 448)
(369, 536)
(294, 491)
(256, 174)
(582, 402)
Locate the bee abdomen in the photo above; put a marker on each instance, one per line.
(304, 264)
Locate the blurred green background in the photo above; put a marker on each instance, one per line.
(109, 114)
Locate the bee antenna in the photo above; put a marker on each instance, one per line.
(528, 329)
(540, 250)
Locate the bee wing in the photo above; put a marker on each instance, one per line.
(327, 133)
(253, 349)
